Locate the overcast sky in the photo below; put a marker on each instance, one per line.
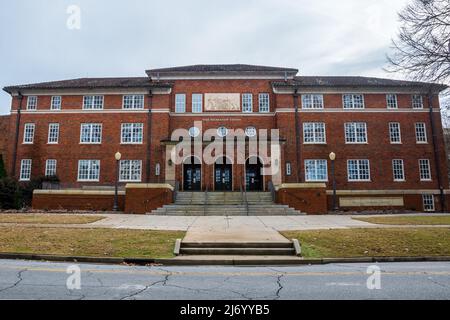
(123, 38)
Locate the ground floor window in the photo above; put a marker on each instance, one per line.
(25, 170)
(428, 202)
(358, 170)
(316, 170)
(89, 170)
(130, 170)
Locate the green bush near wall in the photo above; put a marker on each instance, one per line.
(10, 194)
(2, 168)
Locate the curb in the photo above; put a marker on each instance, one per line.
(235, 262)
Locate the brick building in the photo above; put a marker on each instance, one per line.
(386, 134)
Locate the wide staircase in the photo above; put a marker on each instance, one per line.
(225, 204)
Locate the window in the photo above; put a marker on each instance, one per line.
(28, 133)
(130, 170)
(358, 170)
(398, 170)
(394, 132)
(250, 132)
(312, 101)
(428, 202)
(133, 101)
(180, 103)
(222, 132)
(314, 132)
(32, 103)
(264, 104)
(197, 103)
(421, 132)
(56, 103)
(157, 169)
(288, 169)
(88, 170)
(53, 133)
(25, 170)
(132, 133)
(50, 168)
(353, 101)
(91, 133)
(424, 170)
(194, 132)
(356, 132)
(417, 101)
(247, 102)
(316, 170)
(391, 100)
(92, 102)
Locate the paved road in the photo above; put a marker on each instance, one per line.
(37, 280)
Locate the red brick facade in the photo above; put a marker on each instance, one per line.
(4, 129)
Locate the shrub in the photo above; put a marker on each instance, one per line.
(2, 168)
(10, 194)
(37, 183)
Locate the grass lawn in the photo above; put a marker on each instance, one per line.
(48, 218)
(373, 242)
(89, 242)
(408, 220)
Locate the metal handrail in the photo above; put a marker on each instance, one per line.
(206, 201)
(272, 191)
(244, 198)
(175, 191)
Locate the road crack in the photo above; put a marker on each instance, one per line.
(19, 280)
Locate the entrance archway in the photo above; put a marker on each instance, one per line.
(223, 174)
(192, 174)
(253, 177)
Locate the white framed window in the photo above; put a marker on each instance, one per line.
(398, 170)
(251, 132)
(358, 170)
(50, 168)
(133, 101)
(316, 170)
(130, 170)
(132, 133)
(424, 170)
(222, 132)
(32, 102)
(197, 103)
(93, 102)
(394, 132)
(312, 101)
(417, 101)
(91, 133)
(314, 132)
(356, 132)
(428, 202)
(180, 103)
(421, 132)
(391, 101)
(353, 101)
(25, 170)
(28, 133)
(56, 103)
(264, 102)
(53, 133)
(288, 168)
(89, 170)
(247, 102)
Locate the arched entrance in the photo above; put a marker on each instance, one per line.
(192, 174)
(253, 176)
(223, 174)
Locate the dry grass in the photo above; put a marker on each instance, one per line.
(408, 220)
(88, 242)
(48, 218)
(373, 242)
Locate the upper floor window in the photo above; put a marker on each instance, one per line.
(421, 132)
(92, 102)
(398, 170)
(312, 101)
(53, 133)
(251, 132)
(424, 170)
(133, 101)
(50, 168)
(91, 133)
(130, 170)
(356, 132)
(358, 170)
(180, 102)
(264, 102)
(316, 170)
(132, 133)
(28, 133)
(394, 132)
(391, 100)
(88, 170)
(56, 103)
(25, 170)
(197, 103)
(32, 102)
(353, 101)
(417, 101)
(314, 132)
(247, 102)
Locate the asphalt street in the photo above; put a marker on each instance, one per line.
(43, 280)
